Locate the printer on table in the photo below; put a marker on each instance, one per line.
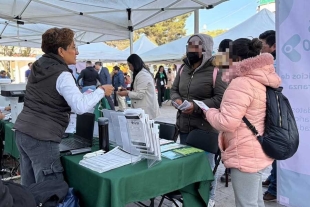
(15, 93)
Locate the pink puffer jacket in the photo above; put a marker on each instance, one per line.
(245, 96)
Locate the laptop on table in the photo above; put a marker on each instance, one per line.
(83, 138)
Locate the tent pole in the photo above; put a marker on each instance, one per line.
(196, 21)
(131, 41)
(130, 29)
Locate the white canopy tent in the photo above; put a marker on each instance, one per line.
(100, 51)
(109, 19)
(142, 45)
(174, 51)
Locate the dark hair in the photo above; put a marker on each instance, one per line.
(245, 48)
(269, 36)
(224, 44)
(29, 64)
(98, 63)
(88, 62)
(2, 71)
(137, 64)
(55, 38)
(116, 68)
(157, 74)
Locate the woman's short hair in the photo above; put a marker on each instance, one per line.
(54, 38)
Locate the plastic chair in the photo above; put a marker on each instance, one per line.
(207, 141)
(167, 131)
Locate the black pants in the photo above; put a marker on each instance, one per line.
(160, 94)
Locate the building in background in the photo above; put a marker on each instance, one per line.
(267, 4)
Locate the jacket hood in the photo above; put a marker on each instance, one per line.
(207, 45)
(259, 68)
(46, 66)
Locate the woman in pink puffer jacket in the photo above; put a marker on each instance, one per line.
(248, 75)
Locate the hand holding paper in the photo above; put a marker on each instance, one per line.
(183, 106)
(202, 105)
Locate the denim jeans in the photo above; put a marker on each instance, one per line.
(210, 156)
(85, 88)
(272, 188)
(39, 160)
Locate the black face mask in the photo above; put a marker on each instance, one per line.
(193, 57)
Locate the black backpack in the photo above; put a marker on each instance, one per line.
(281, 138)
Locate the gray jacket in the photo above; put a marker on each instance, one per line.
(197, 84)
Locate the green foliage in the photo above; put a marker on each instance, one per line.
(13, 51)
(214, 33)
(166, 31)
(160, 33)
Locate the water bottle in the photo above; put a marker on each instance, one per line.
(103, 127)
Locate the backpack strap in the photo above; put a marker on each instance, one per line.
(214, 76)
(251, 127)
(181, 69)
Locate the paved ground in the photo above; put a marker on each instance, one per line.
(224, 195)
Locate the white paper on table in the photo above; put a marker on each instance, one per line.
(137, 128)
(202, 105)
(108, 161)
(127, 146)
(72, 124)
(116, 127)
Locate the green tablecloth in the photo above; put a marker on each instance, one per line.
(136, 182)
(132, 183)
(10, 145)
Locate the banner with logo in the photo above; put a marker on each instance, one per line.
(293, 65)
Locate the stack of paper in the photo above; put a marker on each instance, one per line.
(109, 161)
(143, 133)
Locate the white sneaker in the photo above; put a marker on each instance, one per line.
(211, 203)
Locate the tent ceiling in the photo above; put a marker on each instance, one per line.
(101, 20)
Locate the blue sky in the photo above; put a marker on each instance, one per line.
(224, 16)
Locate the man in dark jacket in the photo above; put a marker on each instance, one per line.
(119, 82)
(268, 39)
(89, 76)
(105, 78)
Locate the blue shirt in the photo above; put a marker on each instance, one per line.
(27, 73)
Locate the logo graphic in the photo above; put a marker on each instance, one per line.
(289, 48)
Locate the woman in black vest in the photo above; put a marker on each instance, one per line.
(51, 94)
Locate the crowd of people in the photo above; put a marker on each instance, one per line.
(232, 84)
